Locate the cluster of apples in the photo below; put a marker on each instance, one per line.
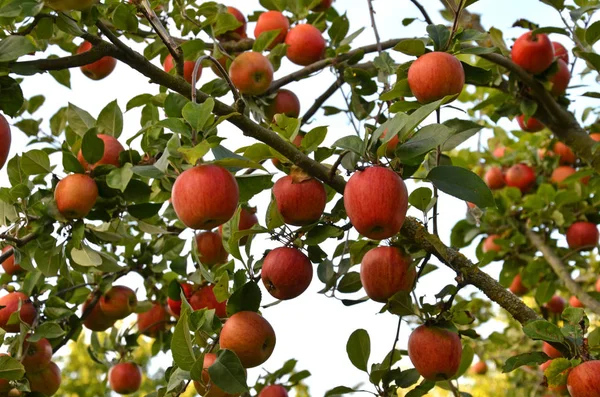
(582, 381)
(116, 304)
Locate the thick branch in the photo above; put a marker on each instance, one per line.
(563, 272)
(18, 241)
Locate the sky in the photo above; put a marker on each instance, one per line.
(311, 328)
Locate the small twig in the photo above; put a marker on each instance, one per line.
(453, 389)
(423, 11)
(222, 72)
(33, 24)
(321, 100)
(337, 163)
(394, 344)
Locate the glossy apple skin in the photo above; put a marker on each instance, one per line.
(300, 202)
(494, 178)
(480, 368)
(154, 321)
(286, 272)
(584, 380)
(99, 69)
(532, 124)
(565, 153)
(175, 305)
(47, 381)
(251, 73)
(249, 336)
(188, 68)
(575, 302)
(376, 201)
(561, 173)
(533, 54)
(520, 176)
(489, 244)
(248, 219)
(560, 51)
(125, 378)
(9, 265)
(204, 298)
(385, 271)
(517, 287)
(75, 195)
(38, 355)
(560, 79)
(435, 75)
(272, 20)
(273, 391)
(306, 45)
(11, 305)
(213, 390)
(210, 249)
(435, 352)
(551, 351)
(205, 196)
(118, 302)
(112, 150)
(68, 5)
(5, 139)
(582, 234)
(555, 305)
(285, 102)
(96, 321)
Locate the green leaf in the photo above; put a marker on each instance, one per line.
(338, 29)
(198, 114)
(251, 185)
(352, 143)
(11, 368)
(192, 155)
(440, 35)
(86, 257)
(420, 198)
(463, 184)
(68, 25)
(225, 22)
(49, 330)
(413, 47)
(110, 120)
(465, 361)
(246, 298)
(79, 120)
(92, 147)
(557, 372)
(11, 99)
(359, 349)
(350, 283)
(265, 39)
(477, 76)
(543, 330)
(227, 373)
(119, 178)
(461, 131)
(339, 390)
(35, 162)
(13, 47)
(515, 362)
(181, 343)
(124, 18)
(313, 139)
(425, 140)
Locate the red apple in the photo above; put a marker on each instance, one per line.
(575, 302)
(306, 45)
(499, 152)
(210, 249)
(5, 138)
(561, 173)
(550, 350)
(273, 391)
(37, 355)
(533, 53)
(118, 302)
(555, 305)
(376, 201)
(154, 321)
(204, 298)
(96, 320)
(125, 378)
(10, 305)
(249, 336)
(99, 69)
(247, 220)
(517, 287)
(175, 305)
(565, 153)
(598, 285)
(390, 149)
(584, 380)
(285, 102)
(384, 271)
(251, 73)
(300, 199)
(560, 80)
(582, 235)
(272, 20)
(75, 195)
(520, 176)
(545, 365)
(188, 68)
(112, 150)
(480, 368)
(489, 244)
(9, 265)
(595, 136)
(560, 51)
(494, 178)
(46, 381)
(435, 75)
(207, 388)
(205, 196)
(286, 272)
(435, 352)
(239, 32)
(532, 124)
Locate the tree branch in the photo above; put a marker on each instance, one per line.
(321, 100)
(423, 11)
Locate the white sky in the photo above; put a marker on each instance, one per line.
(311, 328)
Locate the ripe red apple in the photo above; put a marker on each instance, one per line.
(273, 391)
(10, 304)
(99, 69)
(598, 285)
(125, 378)
(286, 272)
(37, 355)
(560, 51)
(551, 351)
(204, 298)
(582, 234)
(534, 54)
(520, 176)
(96, 320)
(595, 136)
(575, 302)
(209, 389)
(499, 152)
(9, 265)
(239, 32)
(584, 380)
(272, 20)
(249, 336)
(46, 381)
(390, 149)
(480, 368)
(247, 220)
(188, 68)
(205, 196)
(384, 271)
(555, 305)
(435, 75)
(494, 178)
(560, 80)
(68, 5)
(251, 73)
(154, 321)
(545, 365)
(285, 102)
(300, 199)
(306, 45)
(296, 142)
(565, 153)
(210, 249)
(561, 173)
(517, 287)
(75, 195)
(175, 305)
(376, 201)
(489, 244)
(435, 352)
(5, 138)
(323, 6)
(112, 150)
(532, 124)
(118, 302)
